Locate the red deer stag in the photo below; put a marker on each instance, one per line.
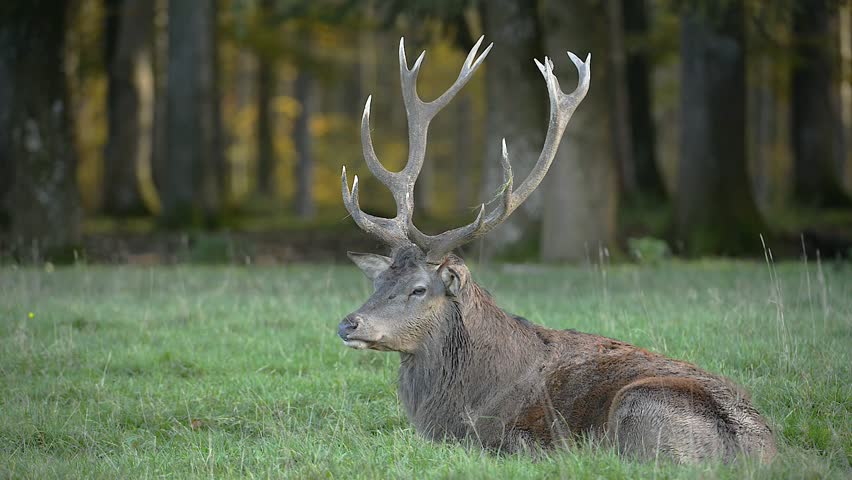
(470, 370)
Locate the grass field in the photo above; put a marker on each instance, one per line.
(189, 371)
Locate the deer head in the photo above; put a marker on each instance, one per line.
(421, 282)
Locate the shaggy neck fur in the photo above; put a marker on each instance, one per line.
(448, 384)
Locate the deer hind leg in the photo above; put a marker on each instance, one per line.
(667, 417)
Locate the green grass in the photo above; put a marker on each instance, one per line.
(127, 372)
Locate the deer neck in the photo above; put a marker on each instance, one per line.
(453, 372)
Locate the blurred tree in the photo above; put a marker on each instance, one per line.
(130, 102)
(192, 186)
(646, 176)
(6, 164)
(816, 121)
(353, 92)
(424, 192)
(266, 158)
(266, 83)
(844, 27)
(304, 92)
(716, 212)
(516, 106)
(286, 33)
(160, 161)
(581, 190)
(464, 139)
(36, 122)
(768, 73)
(620, 97)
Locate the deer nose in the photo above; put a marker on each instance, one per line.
(348, 325)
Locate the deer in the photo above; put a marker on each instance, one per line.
(472, 372)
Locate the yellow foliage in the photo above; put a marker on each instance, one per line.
(90, 138)
(286, 106)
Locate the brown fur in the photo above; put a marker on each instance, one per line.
(480, 374)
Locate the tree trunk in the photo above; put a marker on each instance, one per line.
(424, 189)
(7, 166)
(716, 213)
(44, 201)
(192, 187)
(845, 28)
(464, 138)
(648, 179)
(216, 169)
(353, 91)
(266, 81)
(302, 140)
(817, 125)
(516, 110)
(769, 127)
(768, 112)
(157, 173)
(581, 188)
(620, 102)
(130, 104)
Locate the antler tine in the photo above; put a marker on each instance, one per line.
(387, 230)
(400, 230)
(468, 68)
(562, 107)
(421, 113)
(367, 146)
(409, 80)
(408, 77)
(396, 231)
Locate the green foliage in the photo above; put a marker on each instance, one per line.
(649, 249)
(210, 249)
(197, 371)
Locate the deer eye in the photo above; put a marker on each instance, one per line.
(419, 291)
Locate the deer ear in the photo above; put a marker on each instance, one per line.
(371, 264)
(452, 279)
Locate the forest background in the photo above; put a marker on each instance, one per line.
(215, 130)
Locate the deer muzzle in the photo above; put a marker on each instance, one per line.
(348, 328)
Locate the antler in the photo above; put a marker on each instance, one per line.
(395, 231)
(562, 107)
(400, 230)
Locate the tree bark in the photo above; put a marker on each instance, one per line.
(817, 124)
(648, 180)
(7, 166)
(266, 81)
(424, 190)
(158, 171)
(304, 149)
(130, 100)
(582, 186)
(192, 187)
(768, 112)
(37, 140)
(716, 213)
(620, 100)
(845, 28)
(769, 127)
(353, 91)
(516, 110)
(216, 175)
(464, 138)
